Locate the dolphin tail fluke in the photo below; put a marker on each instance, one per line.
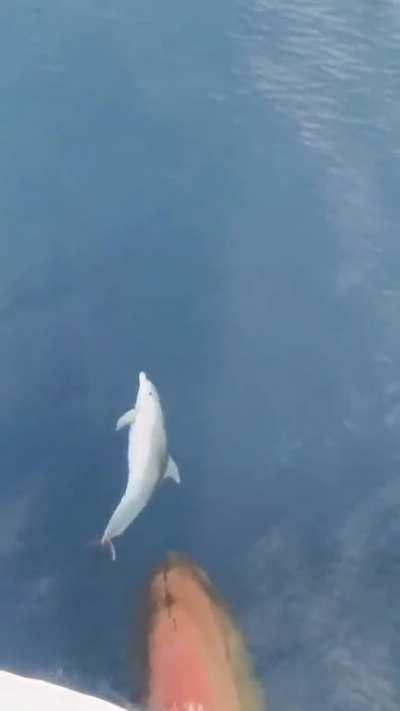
(101, 542)
(108, 542)
(128, 418)
(112, 550)
(172, 471)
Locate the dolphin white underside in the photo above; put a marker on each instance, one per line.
(133, 502)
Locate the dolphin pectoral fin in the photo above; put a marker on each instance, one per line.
(172, 471)
(128, 418)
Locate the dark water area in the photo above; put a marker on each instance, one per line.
(208, 193)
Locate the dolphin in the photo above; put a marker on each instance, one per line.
(148, 459)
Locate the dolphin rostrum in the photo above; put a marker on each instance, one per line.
(148, 459)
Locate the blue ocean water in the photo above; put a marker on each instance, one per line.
(207, 192)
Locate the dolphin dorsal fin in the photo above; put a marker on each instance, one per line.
(172, 471)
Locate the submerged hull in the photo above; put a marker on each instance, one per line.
(196, 654)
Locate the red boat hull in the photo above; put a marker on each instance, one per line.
(197, 658)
